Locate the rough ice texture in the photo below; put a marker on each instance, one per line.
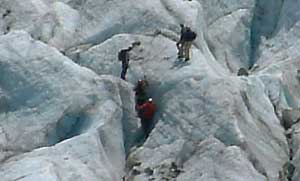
(66, 115)
(50, 99)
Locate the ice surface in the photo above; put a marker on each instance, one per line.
(66, 115)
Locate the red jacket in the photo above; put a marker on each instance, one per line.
(147, 110)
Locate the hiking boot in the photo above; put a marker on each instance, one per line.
(187, 59)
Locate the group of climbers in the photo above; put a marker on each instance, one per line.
(144, 104)
(187, 36)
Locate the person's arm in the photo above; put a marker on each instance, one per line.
(141, 107)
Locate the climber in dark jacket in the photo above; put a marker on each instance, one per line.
(188, 37)
(146, 112)
(124, 58)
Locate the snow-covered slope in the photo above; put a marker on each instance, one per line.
(66, 115)
(50, 99)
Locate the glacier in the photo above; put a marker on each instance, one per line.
(66, 115)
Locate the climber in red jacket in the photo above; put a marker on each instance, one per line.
(146, 113)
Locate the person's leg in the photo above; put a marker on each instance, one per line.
(178, 46)
(123, 73)
(143, 97)
(139, 100)
(146, 126)
(180, 49)
(187, 50)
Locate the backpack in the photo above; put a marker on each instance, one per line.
(193, 35)
(122, 55)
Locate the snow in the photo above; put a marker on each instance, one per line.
(66, 115)
(55, 100)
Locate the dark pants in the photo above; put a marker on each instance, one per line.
(141, 97)
(146, 126)
(187, 49)
(124, 71)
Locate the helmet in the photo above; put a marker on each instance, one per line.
(140, 82)
(150, 99)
